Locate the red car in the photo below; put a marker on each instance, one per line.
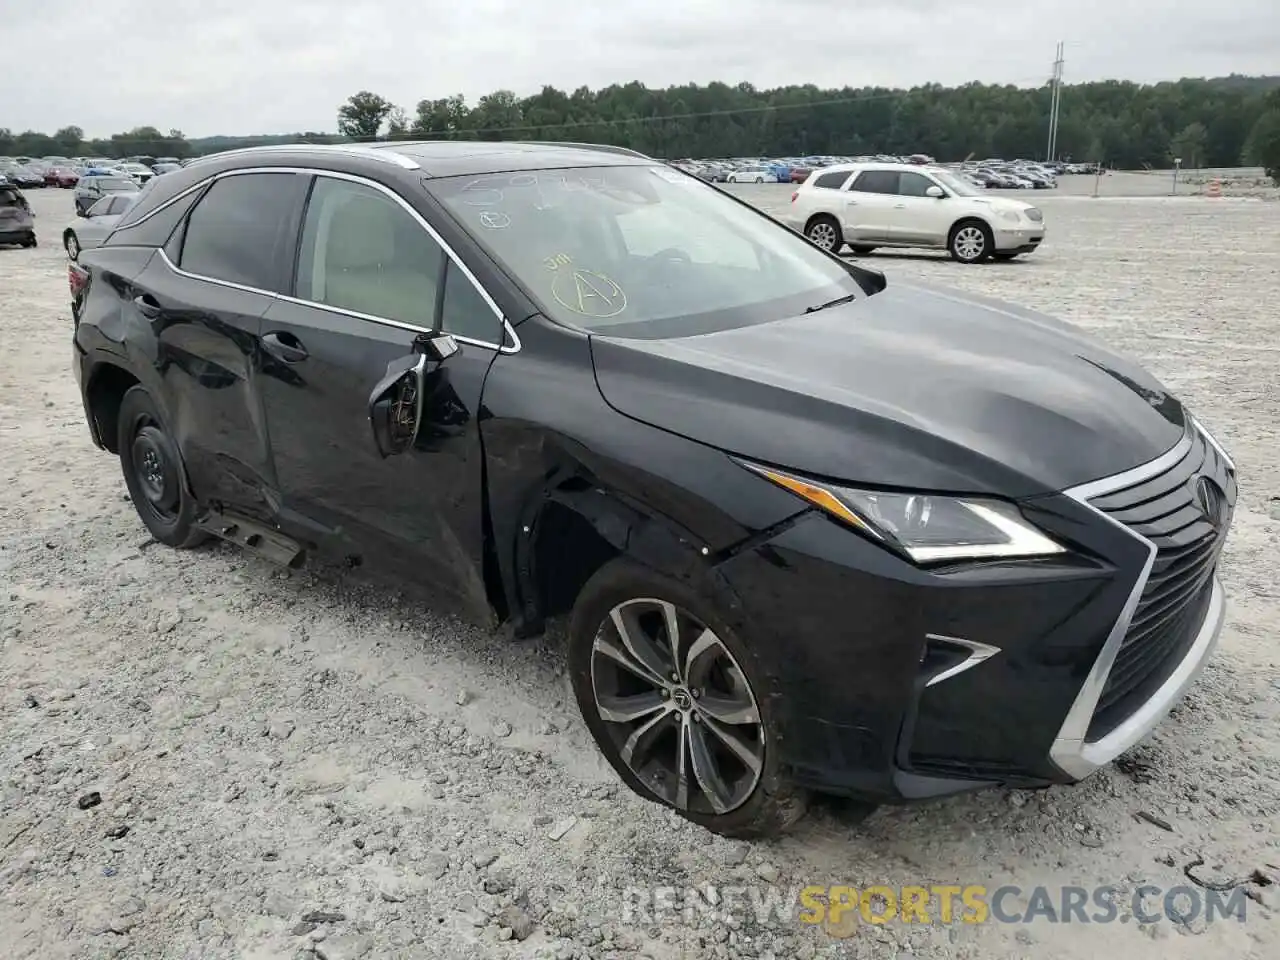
(61, 177)
(800, 174)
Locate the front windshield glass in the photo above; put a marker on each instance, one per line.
(116, 184)
(642, 251)
(957, 185)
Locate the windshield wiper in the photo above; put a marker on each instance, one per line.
(831, 303)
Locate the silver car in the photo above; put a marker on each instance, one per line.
(94, 186)
(90, 230)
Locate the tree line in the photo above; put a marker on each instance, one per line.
(1223, 121)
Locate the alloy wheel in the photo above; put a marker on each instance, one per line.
(823, 234)
(677, 706)
(73, 246)
(969, 243)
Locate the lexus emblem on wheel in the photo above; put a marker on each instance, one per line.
(1209, 499)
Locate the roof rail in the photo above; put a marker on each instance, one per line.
(354, 150)
(598, 147)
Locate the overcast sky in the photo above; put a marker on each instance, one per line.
(271, 66)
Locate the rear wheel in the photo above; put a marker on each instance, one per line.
(825, 232)
(971, 241)
(153, 472)
(759, 179)
(72, 245)
(676, 702)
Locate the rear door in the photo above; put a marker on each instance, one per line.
(203, 296)
(372, 275)
(868, 206)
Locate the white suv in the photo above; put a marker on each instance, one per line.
(869, 205)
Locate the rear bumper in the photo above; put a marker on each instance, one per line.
(16, 234)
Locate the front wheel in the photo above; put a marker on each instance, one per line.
(825, 232)
(153, 472)
(72, 245)
(971, 241)
(677, 702)
(759, 179)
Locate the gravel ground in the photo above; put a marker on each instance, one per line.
(289, 767)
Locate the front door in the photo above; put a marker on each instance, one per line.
(371, 277)
(920, 220)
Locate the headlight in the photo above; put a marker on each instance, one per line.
(1011, 215)
(923, 527)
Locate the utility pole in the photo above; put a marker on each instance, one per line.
(1055, 100)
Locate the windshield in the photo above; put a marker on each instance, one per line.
(116, 184)
(642, 251)
(960, 186)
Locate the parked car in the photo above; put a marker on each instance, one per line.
(94, 186)
(22, 176)
(164, 167)
(900, 205)
(65, 177)
(88, 231)
(752, 175)
(140, 173)
(813, 530)
(17, 222)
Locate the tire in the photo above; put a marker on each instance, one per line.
(735, 792)
(72, 244)
(970, 241)
(759, 179)
(154, 474)
(32, 243)
(824, 231)
(861, 247)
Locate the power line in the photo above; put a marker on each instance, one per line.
(601, 122)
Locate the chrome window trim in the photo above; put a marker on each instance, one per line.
(1070, 751)
(507, 327)
(978, 653)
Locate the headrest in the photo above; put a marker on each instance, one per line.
(361, 234)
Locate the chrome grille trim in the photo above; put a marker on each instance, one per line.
(1071, 751)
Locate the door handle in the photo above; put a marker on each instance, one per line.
(285, 346)
(147, 305)
(899, 206)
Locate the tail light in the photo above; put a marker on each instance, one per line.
(78, 278)
(794, 194)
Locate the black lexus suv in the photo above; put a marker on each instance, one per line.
(813, 531)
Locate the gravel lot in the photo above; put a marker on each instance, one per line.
(295, 768)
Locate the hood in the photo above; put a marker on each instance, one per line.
(915, 387)
(1002, 203)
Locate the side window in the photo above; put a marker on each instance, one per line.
(101, 207)
(466, 313)
(832, 181)
(361, 251)
(240, 229)
(913, 184)
(120, 204)
(876, 181)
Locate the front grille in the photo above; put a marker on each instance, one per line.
(1034, 215)
(1165, 509)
